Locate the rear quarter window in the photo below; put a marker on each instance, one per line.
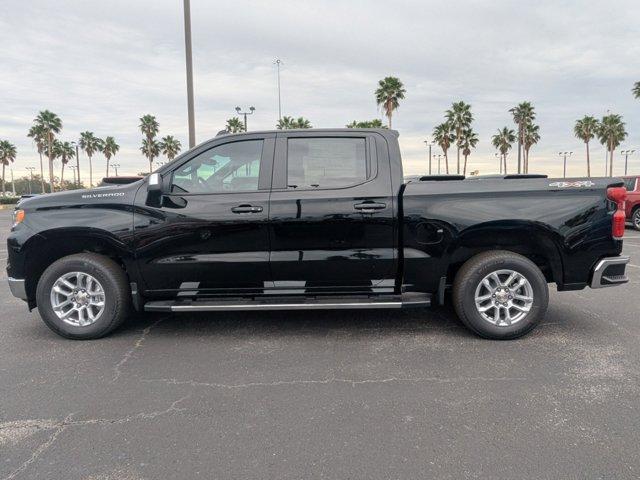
(630, 184)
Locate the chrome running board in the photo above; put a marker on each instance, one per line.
(289, 303)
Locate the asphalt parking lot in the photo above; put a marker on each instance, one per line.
(362, 395)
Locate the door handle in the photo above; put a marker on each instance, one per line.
(246, 209)
(369, 207)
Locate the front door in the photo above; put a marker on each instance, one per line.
(332, 214)
(210, 234)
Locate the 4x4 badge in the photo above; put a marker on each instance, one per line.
(580, 183)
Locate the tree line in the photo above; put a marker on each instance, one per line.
(45, 133)
(455, 131)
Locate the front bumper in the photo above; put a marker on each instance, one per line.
(17, 287)
(609, 272)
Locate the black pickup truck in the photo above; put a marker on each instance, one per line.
(313, 219)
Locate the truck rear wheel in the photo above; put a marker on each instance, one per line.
(500, 295)
(83, 296)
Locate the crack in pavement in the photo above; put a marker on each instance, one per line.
(326, 381)
(41, 449)
(117, 370)
(60, 426)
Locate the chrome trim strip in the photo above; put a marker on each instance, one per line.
(210, 307)
(601, 266)
(17, 287)
(284, 306)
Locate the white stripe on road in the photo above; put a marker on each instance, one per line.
(632, 265)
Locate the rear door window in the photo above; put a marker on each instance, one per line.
(323, 162)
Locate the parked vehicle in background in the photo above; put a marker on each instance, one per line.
(633, 200)
(313, 219)
(121, 180)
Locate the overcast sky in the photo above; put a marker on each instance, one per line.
(100, 65)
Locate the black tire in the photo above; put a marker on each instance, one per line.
(477, 268)
(116, 291)
(635, 218)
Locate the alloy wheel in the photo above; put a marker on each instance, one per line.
(504, 297)
(78, 299)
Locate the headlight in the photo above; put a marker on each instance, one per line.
(18, 217)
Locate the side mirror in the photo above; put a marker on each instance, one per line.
(154, 190)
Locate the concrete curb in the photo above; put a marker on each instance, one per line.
(8, 207)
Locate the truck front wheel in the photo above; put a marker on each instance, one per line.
(500, 295)
(83, 296)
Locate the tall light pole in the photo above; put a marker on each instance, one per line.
(626, 154)
(278, 62)
(428, 143)
(189, 60)
(606, 155)
(77, 159)
(565, 154)
(115, 167)
(74, 168)
(13, 184)
(439, 156)
(250, 112)
(31, 169)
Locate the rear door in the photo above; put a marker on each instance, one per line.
(331, 224)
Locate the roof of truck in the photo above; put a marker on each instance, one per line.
(307, 130)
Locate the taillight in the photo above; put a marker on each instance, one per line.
(618, 195)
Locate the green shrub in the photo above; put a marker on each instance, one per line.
(8, 200)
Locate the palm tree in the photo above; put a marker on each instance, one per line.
(523, 115)
(459, 117)
(171, 146)
(149, 128)
(285, 123)
(585, 129)
(611, 133)
(468, 140)
(65, 152)
(636, 90)
(531, 137)
(388, 95)
(150, 149)
(503, 141)
(50, 124)
(234, 125)
(36, 132)
(444, 137)
(375, 123)
(90, 144)
(109, 148)
(288, 123)
(7, 155)
(302, 122)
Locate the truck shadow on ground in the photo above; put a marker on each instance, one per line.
(296, 323)
(437, 321)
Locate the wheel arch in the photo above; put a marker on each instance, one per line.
(51, 245)
(536, 242)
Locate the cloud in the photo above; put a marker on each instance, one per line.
(101, 65)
